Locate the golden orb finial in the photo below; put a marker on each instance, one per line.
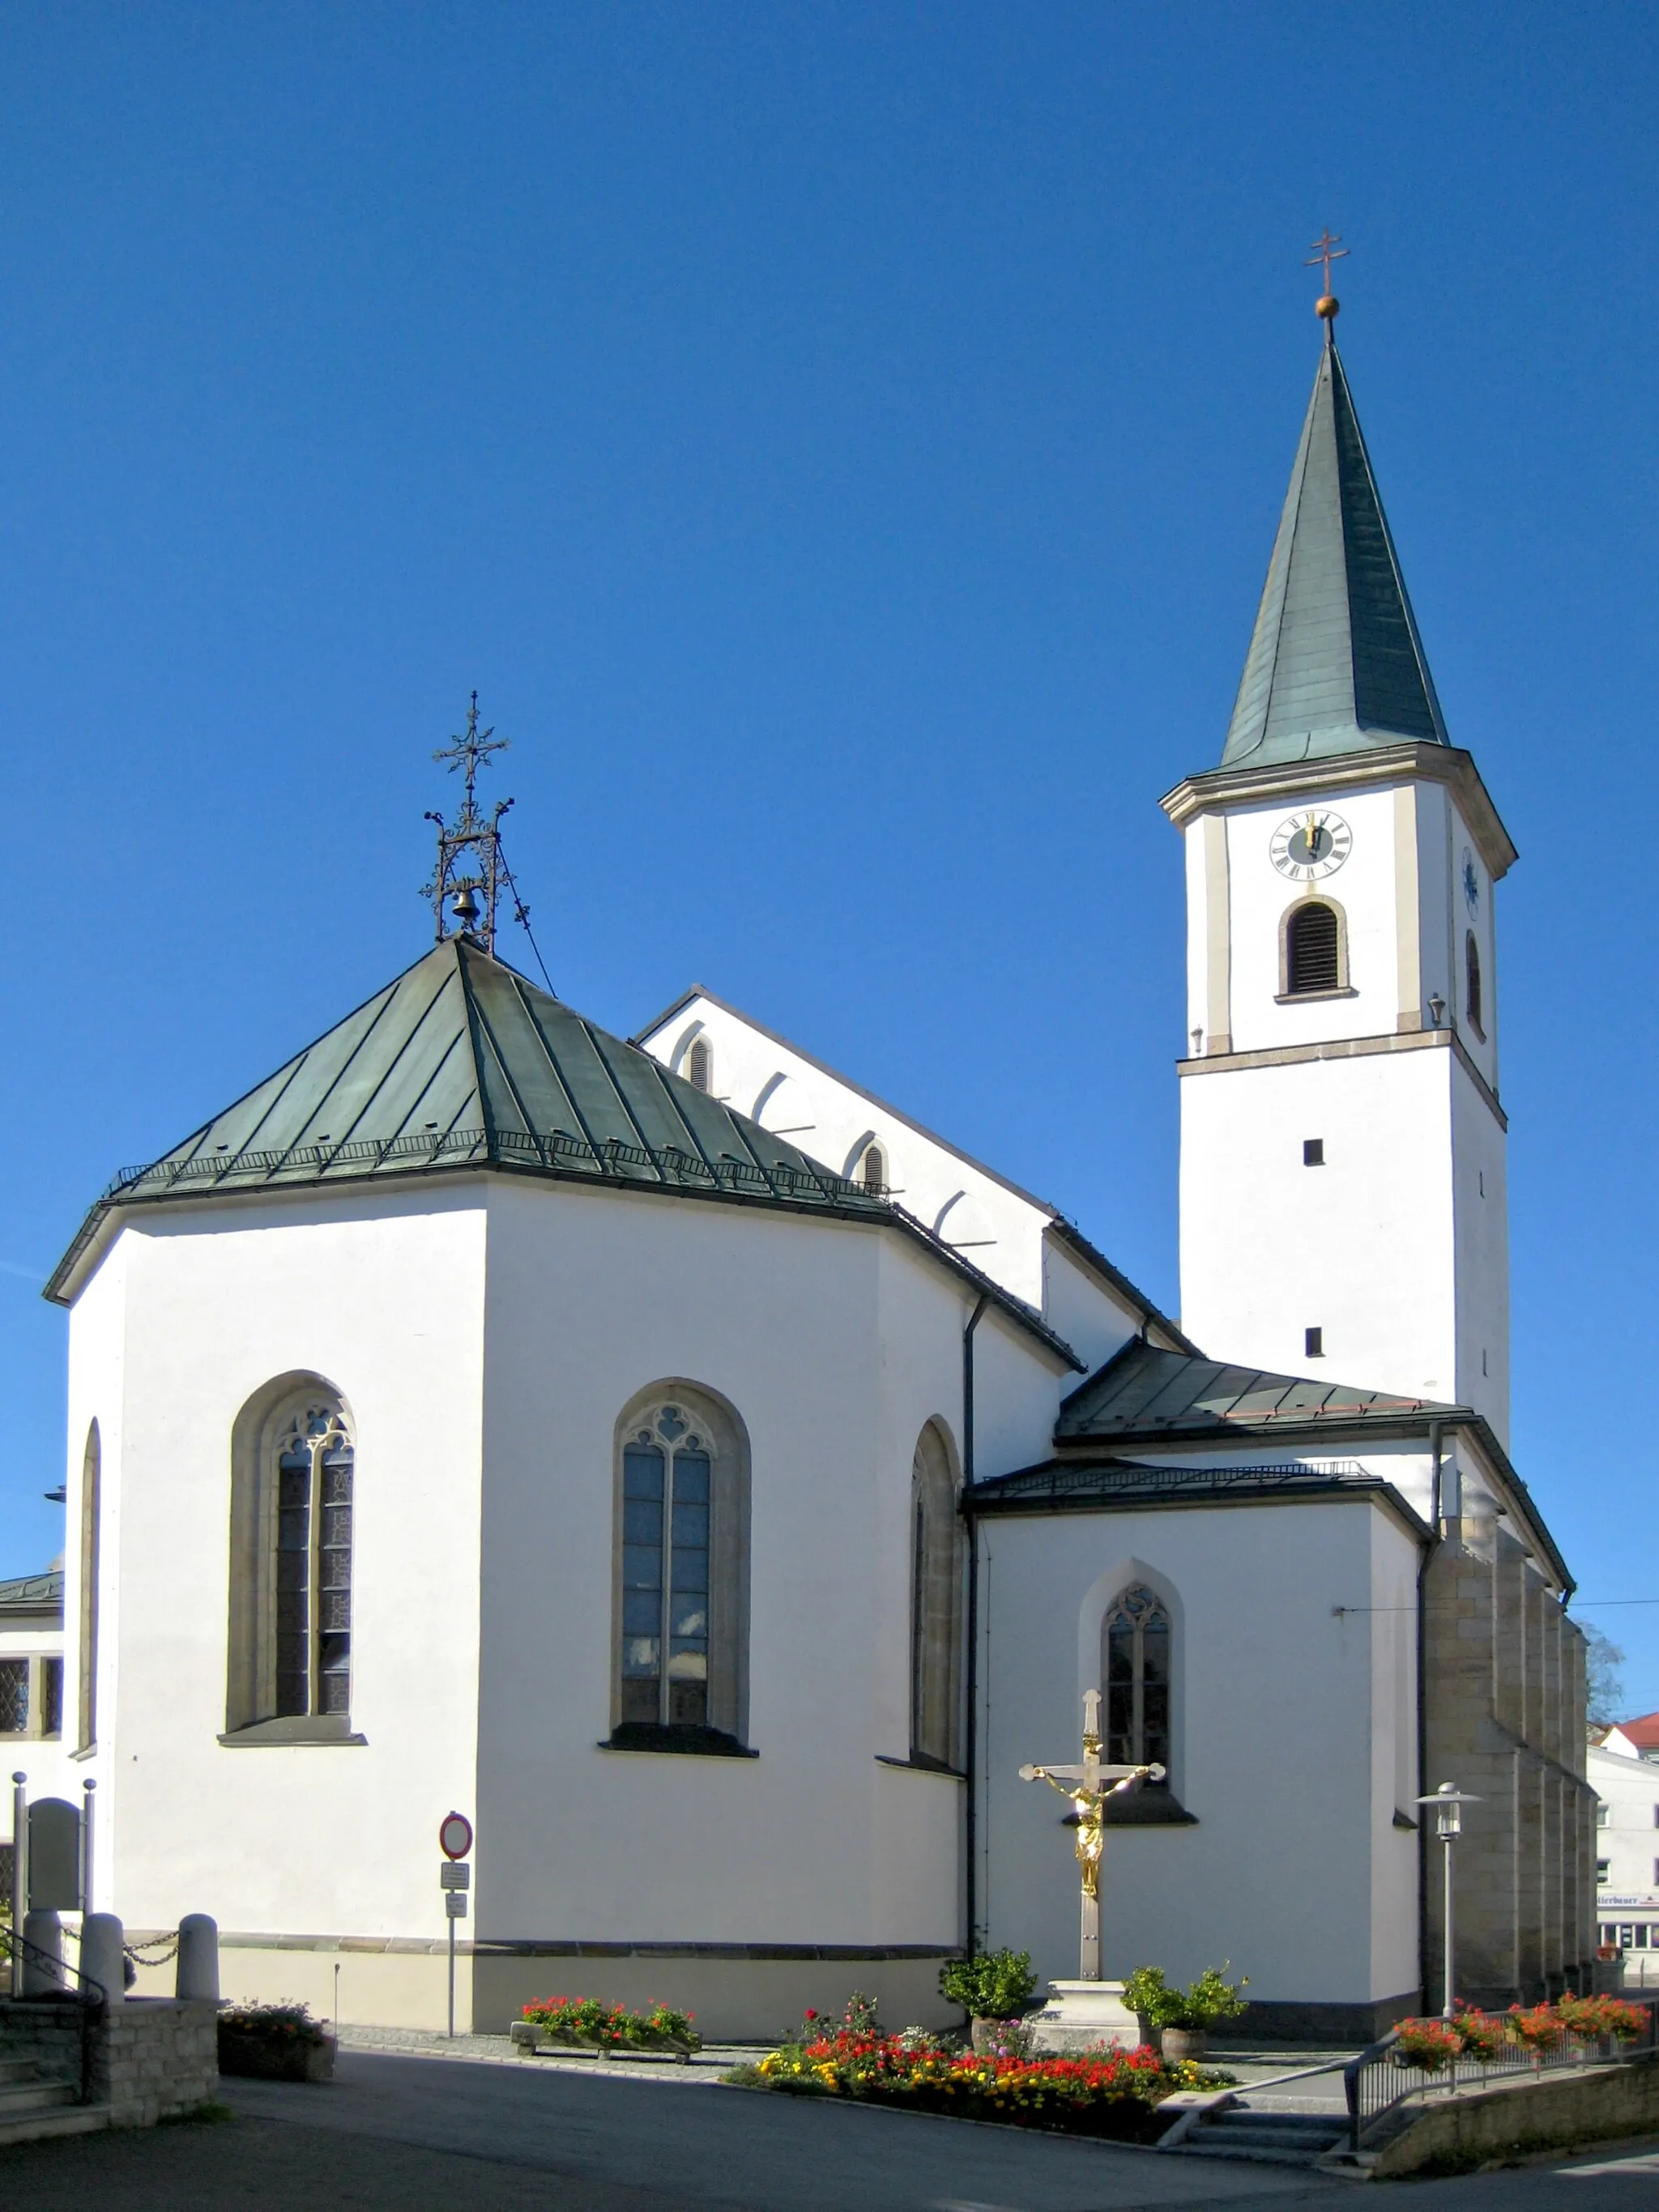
(1327, 248)
(1328, 308)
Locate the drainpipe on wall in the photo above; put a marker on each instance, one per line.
(970, 1760)
(1436, 1432)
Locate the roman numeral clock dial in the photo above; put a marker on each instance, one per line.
(1306, 847)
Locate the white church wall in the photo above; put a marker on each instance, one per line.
(1392, 1735)
(215, 1303)
(97, 1391)
(1080, 1309)
(834, 1344)
(1294, 1872)
(1016, 1393)
(1361, 1246)
(1481, 1198)
(997, 1227)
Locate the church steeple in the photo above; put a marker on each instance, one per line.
(1336, 665)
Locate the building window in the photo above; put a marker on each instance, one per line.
(292, 1505)
(935, 1603)
(51, 1697)
(1313, 950)
(1136, 1656)
(1313, 1152)
(1603, 1813)
(682, 1575)
(1313, 1343)
(1472, 976)
(14, 1697)
(91, 1510)
(1601, 1866)
(700, 1065)
(872, 1170)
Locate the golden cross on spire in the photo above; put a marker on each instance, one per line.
(1326, 247)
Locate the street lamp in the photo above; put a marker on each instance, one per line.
(1448, 1802)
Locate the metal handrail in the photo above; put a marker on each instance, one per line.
(1566, 2050)
(90, 1998)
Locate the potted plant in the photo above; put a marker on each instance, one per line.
(275, 2043)
(1426, 2045)
(1181, 2019)
(993, 1988)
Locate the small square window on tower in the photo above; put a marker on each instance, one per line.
(1313, 1152)
(1314, 1343)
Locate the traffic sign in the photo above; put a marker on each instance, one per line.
(450, 1876)
(455, 1906)
(455, 1836)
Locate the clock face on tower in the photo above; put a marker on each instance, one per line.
(1308, 846)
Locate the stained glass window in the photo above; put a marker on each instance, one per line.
(1136, 1633)
(313, 1564)
(14, 1697)
(667, 1499)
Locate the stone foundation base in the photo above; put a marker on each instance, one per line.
(1083, 2016)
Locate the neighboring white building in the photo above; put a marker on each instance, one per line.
(32, 1734)
(717, 1485)
(1623, 1772)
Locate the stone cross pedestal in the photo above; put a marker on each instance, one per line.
(1089, 2011)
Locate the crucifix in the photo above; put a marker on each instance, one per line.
(1089, 1785)
(1326, 247)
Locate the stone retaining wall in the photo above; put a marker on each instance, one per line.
(153, 2057)
(1552, 2112)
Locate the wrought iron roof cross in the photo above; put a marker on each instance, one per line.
(453, 886)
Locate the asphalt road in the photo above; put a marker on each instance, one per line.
(434, 2135)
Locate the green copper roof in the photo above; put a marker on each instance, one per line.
(1336, 665)
(1145, 1392)
(461, 1062)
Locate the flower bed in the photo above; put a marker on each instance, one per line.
(1487, 2037)
(275, 2043)
(589, 2024)
(1110, 2092)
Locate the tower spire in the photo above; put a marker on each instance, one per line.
(1336, 665)
(454, 883)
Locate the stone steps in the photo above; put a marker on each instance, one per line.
(1264, 2136)
(43, 2120)
(34, 2093)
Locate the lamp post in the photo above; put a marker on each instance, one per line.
(1448, 1802)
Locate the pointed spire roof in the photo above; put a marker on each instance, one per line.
(1336, 665)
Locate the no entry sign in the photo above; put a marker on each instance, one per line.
(455, 1836)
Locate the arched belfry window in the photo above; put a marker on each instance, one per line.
(935, 1603)
(700, 1064)
(1313, 950)
(1472, 982)
(293, 1466)
(1135, 1667)
(681, 1575)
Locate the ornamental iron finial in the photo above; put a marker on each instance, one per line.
(1327, 247)
(469, 849)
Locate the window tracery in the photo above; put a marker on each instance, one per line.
(668, 1471)
(1136, 1641)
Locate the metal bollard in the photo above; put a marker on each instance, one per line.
(103, 1954)
(198, 1957)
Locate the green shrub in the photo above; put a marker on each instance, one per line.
(992, 1985)
(1205, 2004)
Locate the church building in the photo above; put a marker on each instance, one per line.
(717, 1485)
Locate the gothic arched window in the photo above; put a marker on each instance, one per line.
(700, 1064)
(682, 1574)
(292, 1480)
(1135, 1663)
(1472, 976)
(1313, 950)
(91, 1504)
(935, 1603)
(872, 1169)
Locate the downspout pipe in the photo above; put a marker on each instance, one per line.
(1437, 1431)
(971, 1759)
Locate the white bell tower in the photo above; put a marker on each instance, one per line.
(1343, 1209)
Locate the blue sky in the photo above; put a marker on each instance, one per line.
(843, 445)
